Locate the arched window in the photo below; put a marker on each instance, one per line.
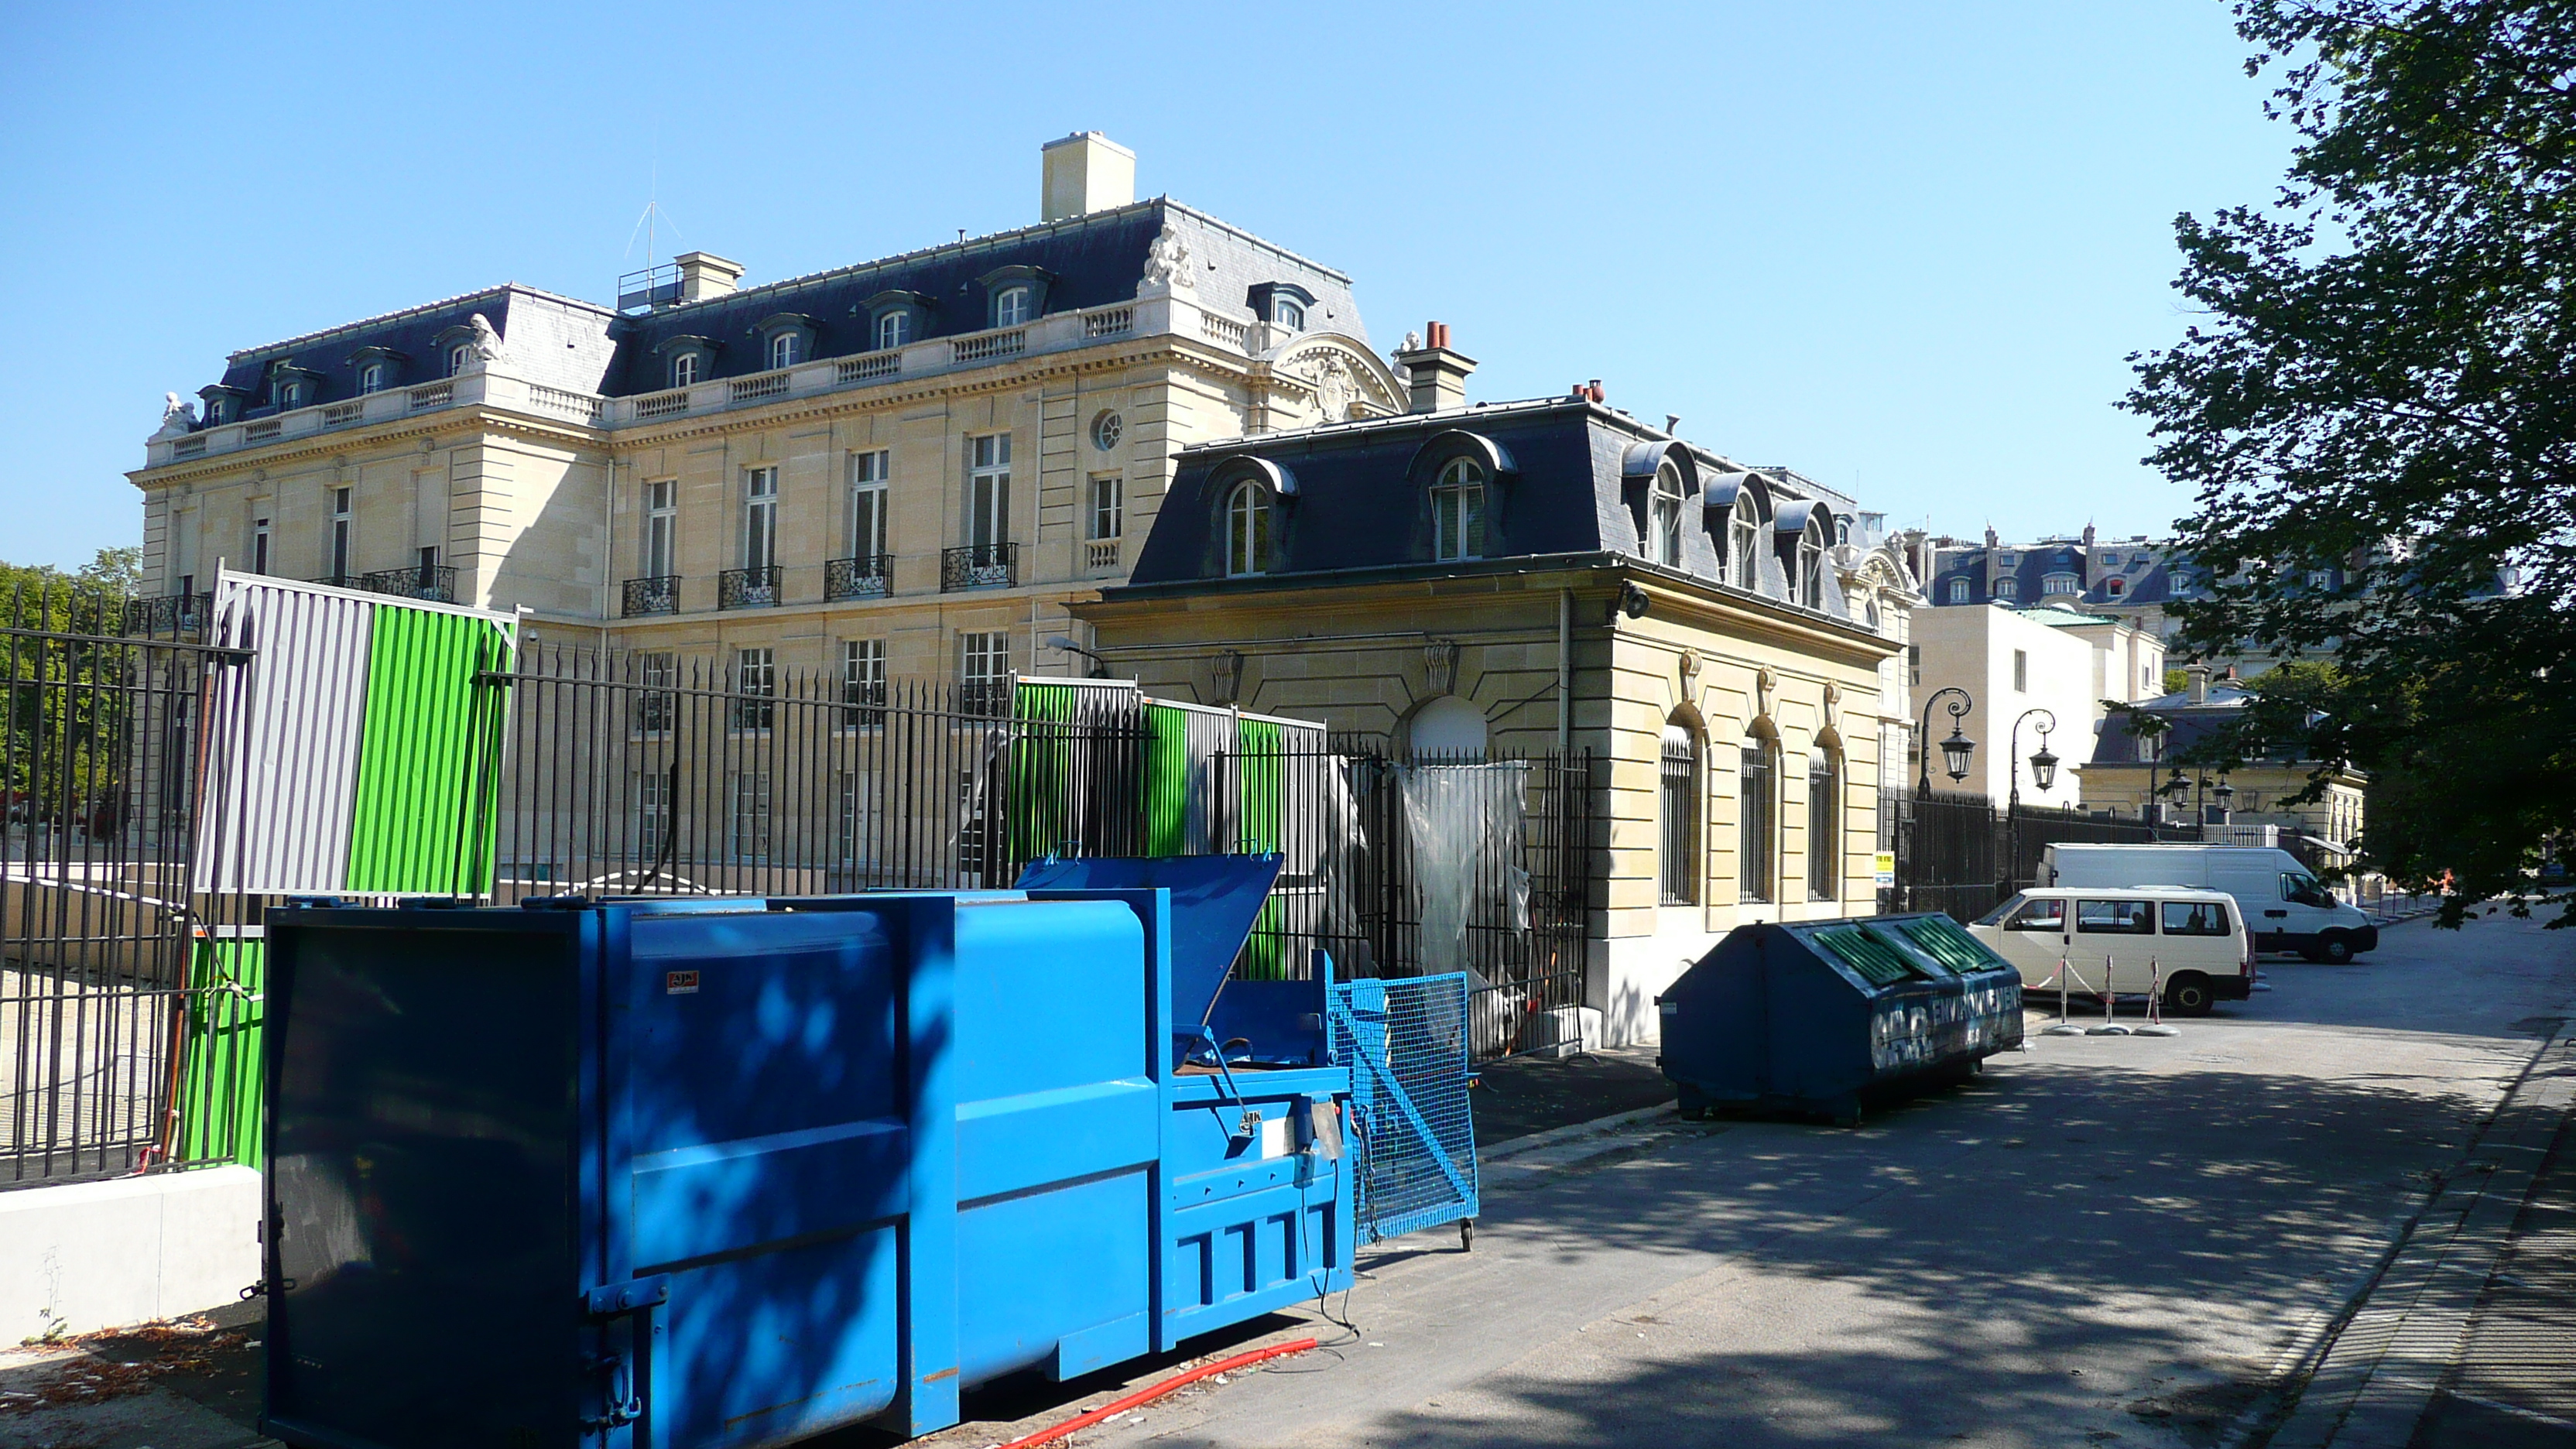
(1011, 306)
(1744, 543)
(2060, 584)
(2007, 588)
(1247, 530)
(684, 369)
(786, 349)
(1678, 839)
(1824, 822)
(1757, 811)
(894, 328)
(1664, 517)
(1288, 312)
(1809, 588)
(1458, 511)
(457, 357)
(371, 378)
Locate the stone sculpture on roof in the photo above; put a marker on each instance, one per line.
(1167, 263)
(486, 343)
(178, 417)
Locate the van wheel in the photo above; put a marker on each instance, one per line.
(2335, 949)
(2188, 995)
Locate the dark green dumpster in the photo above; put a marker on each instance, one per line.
(1813, 1016)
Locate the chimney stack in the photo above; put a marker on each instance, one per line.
(704, 275)
(1083, 173)
(1435, 373)
(2199, 676)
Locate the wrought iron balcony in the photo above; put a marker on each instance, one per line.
(339, 581)
(168, 614)
(747, 588)
(979, 566)
(435, 582)
(659, 595)
(864, 577)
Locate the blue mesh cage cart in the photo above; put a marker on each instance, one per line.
(1815, 1016)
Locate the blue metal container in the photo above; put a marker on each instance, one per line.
(737, 1172)
(1814, 1016)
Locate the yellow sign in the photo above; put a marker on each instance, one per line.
(1886, 866)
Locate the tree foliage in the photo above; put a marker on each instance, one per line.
(2377, 412)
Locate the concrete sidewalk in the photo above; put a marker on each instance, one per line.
(2466, 1339)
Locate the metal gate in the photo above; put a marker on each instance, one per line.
(1407, 1044)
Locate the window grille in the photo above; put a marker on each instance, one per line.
(1757, 789)
(1824, 825)
(1680, 817)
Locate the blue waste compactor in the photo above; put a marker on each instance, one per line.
(1814, 1016)
(735, 1172)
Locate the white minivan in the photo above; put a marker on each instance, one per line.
(2190, 943)
(2286, 907)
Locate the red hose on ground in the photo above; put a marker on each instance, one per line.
(1155, 1391)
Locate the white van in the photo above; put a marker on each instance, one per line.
(2191, 942)
(2286, 906)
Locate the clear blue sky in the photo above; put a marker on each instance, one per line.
(1901, 247)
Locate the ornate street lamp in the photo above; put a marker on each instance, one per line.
(1958, 749)
(2043, 773)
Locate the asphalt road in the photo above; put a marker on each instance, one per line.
(2103, 1240)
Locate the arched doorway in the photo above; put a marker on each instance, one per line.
(1447, 728)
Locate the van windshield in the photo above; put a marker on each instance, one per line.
(1995, 916)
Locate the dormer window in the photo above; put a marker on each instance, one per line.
(2110, 560)
(290, 395)
(2061, 584)
(1809, 586)
(1281, 304)
(1958, 591)
(371, 378)
(894, 329)
(218, 410)
(786, 339)
(2007, 589)
(458, 356)
(686, 359)
(2003, 560)
(1014, 296)
(895, 318)
(1247, 530)
(1458, 512)
(684, 369)
(1664, 517)
(2115, 587)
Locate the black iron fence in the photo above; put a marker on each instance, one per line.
(98, 942)
(1964, 854)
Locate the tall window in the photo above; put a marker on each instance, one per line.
(1744, 542)
(786, 349)
(894, 329)
(1678, 811)
(1664, 517)
(657, 707)
(290, 395)
(371, 378)
(751, 815)
(759, 519)
(868, 524)
(1958, 591)
(988, 491)
(259, 545)
(1824, 824)
(755, 686)
(1247, 530)
(1458, 511)
(684, 369)
(2021, 671)
(457, 357)
(1011, 306)
(984, 669)
(652, 812)
(1811, 563)
(1757, 814)
(661, 527)
(863, 671)
(1108, 506)
(339, 534)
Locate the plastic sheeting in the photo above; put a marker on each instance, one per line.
(1466, 825)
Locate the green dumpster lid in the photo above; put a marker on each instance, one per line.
(1940, 938)
(1878, 963)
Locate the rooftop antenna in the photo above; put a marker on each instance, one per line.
(642, 289)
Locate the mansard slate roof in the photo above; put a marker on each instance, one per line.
(1569, 478)
(413, 337)
(1086, 261)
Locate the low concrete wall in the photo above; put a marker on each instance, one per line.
(101, 1254)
